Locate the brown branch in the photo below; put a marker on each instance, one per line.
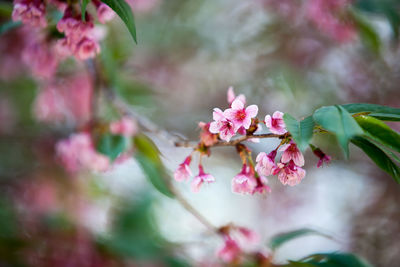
(233, 142)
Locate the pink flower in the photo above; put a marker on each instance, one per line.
(322, 157)
(200, 179)
(30, 12)
(183, 172)
(222, 125)
(239, 115)
(266, 163)
(86, 48)
(77, 152)
(104, 13)
(231, 96)
(230, 252)
(207, 137)
(275, 123)
(244, 182)
(249, 235)
(291, 152)
(290, 174)
(126, 127)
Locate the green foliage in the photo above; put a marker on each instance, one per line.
(380, 132)
(111, 145)
(338, 121)
(378, 156)
(367, 33)
(280, 239)
(386, 8)
(83, 8)
(330, 260)
(378, 111)
(301, 131)
(148, 158)
(9, 25)
(124, 11)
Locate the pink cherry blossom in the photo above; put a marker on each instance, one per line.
(183, 172)
(231, 96)
(201, 178)
(77, 152)
(104, 13)
(206, 137)
(32, 13)
(275, 123)
(291, 152)
(126, 127)
(250, 236)
(266, 163)
(290, 174)
(86, 48)
(239, 115)
(244, 182)
(322, 157)
(230, 252)
(222, 125)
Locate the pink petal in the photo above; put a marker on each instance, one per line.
(196, 184)
(237, 104)
(268, 121)
(277, 115)
(218, 114)
(252, 111)
(214, 127)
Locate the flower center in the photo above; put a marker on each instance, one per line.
(240, 115)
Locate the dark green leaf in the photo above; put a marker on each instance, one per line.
(367, 33)
(280, 239)
(334, 260)
(301, 131)
(379, 131)
(374, 110)
(111, 145)
(5, 27)
(378, 156)
(83, 9)
(124, 11)
(148, 158)
(338, 121)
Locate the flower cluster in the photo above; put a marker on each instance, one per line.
(81, 37)
(241, 120)
(235, 238)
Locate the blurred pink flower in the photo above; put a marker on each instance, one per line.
(126, 127)
(207, 137)
(250, 236)
(322, 157)
(275, 123)
(291, 152)
(266, 163)
(290, 174)
(77, 152)
(200, 179)
(67, 100)
(230, 252)
(30, 12)
(244, 182)
(222, 125)
(328, 16)
(239, 115)
(86, 48)
(231, 96)
(104, 12)
(183, 172)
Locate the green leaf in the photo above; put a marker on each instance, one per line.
(83, 9)
(111, 145)
(367, 33)
(301, 131)
(9, 25)
(124, 11)
(338, 121)
(378, 156)
(380, 132)
(378, 111)
(280, 239)
(334, 260)
(148, 158)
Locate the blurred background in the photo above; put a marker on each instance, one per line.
(288, 55)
